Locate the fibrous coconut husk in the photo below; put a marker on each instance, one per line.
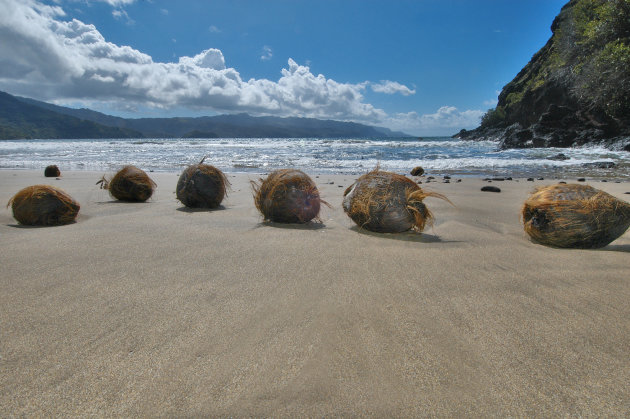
(202, 186)
(573, 215)
(387, 202)
(129, 184)
(43, 205)
(52, 171)
(287, 196)
(417, 171)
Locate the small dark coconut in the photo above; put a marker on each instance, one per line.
(287, 196)
(52, 171)
(43, 205)
(417, 171)
(202, 186)
(387, 202)
(573, 215)
(129, 184)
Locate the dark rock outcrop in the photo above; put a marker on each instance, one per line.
(559, 157)
(575, 90)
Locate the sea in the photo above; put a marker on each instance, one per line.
(437, 155)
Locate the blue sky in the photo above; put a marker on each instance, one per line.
(426, 67)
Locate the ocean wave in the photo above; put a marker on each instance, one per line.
(352, 156)
(246, 166)
(147, 142)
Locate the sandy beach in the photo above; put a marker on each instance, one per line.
(152, 310)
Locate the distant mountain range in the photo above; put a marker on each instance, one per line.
(23, 118)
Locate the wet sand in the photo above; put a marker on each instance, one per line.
(151, 309)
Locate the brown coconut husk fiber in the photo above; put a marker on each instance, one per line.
(287, 196)
(43, 205)
(129, 184)
(387, 202)
(52, 171)
(573, 215)
(202, 186)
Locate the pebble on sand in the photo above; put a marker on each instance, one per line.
(490, 189)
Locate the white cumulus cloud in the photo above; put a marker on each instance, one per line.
(450, 116)
(447, 120)
(391, 87)
(210, 58)
(117, 3)
(47, 57)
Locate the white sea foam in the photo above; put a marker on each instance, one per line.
(352, 156)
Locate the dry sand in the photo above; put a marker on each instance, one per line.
(151, 309)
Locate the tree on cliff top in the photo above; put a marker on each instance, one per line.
(603, 29)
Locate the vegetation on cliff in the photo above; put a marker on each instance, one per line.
(19, 120)
(576, 89)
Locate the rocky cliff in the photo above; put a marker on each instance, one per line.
(575, 90)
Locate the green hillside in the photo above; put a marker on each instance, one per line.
(19, 120)
(575, 90)
(28, 118)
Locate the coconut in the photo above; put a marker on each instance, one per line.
(417, 171)
(129, 184)
(202, 186)
(387, 202)
(43, 205)
(573, 215)
(287, 196)
(52, 171)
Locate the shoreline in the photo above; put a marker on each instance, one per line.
(151, 309)
(438, 156)
(552, 176)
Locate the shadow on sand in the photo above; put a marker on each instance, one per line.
(193, 210)
(616, 248)
(311, 225)
(27, 227)
(409, 236)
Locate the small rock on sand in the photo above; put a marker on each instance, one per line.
(490, 189)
